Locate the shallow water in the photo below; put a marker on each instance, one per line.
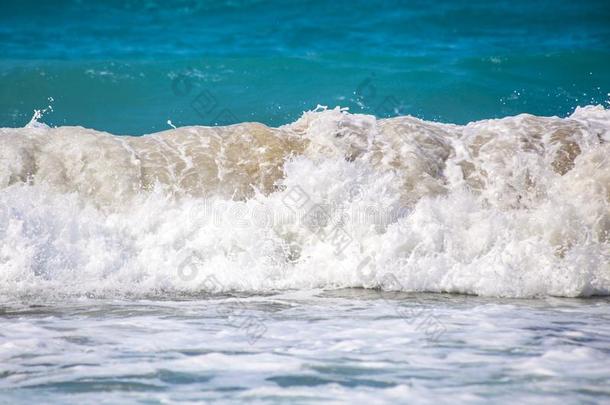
(306, 347)
(291, 258)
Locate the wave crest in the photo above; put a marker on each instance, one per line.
(510, 207)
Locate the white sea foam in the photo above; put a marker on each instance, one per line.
(512, 207)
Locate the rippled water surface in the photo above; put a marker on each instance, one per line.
(305, 347)
(113, 65)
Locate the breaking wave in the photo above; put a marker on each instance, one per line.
(516, 207)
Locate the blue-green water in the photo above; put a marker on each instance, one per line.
(129, 66)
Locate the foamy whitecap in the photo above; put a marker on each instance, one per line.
(513, 207)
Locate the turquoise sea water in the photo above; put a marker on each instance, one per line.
(129, 66)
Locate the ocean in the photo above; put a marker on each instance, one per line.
(302, 202)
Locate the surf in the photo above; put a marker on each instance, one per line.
(512, 207)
